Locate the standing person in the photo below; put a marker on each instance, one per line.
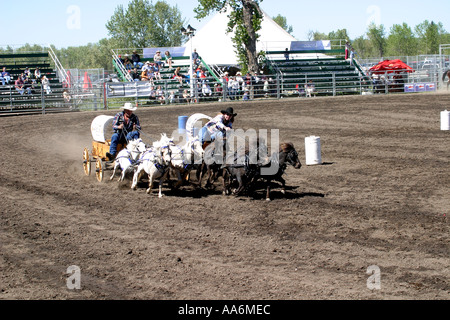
(126, 127)
(217, 126)
(168, 58)
(46, 84)
(136, 59)
(286, 54)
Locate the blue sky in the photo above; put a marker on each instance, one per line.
(79, 22)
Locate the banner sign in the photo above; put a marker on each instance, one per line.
(310, 45)
(129, 89)
(174, 51)
(420, 87)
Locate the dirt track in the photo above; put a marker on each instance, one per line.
(381, 198)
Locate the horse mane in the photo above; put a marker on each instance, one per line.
(286, 146)
(446, 73)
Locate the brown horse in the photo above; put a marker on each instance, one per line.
(246, 175)
(446, 74)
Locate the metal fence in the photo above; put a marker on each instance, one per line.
(103, 94)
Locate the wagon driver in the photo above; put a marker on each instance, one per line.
(126, 128)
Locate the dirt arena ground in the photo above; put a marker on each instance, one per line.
(381, 198)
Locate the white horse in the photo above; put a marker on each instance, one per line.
(155, 162)
(184, 158)
(126, 158)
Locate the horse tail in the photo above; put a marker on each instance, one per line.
(447, 72)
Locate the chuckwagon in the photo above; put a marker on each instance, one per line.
(101, 128)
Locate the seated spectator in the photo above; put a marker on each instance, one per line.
(5, 77)
(168, 58)
(160, 95)
(218, 90)
(146, 66)
(136, 59)
(156, 73)
(135, 75)
(206, 89)
(177, 75)
(127, 64)
(27, 73)
(309, 88)
(37, 74)
(157, 59)
(20, 85)
(67, 99)
(186, 96)
(147, 75)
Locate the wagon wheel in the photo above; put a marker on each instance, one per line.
(99, 169)
(86, 162)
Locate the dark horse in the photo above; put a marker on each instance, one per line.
(446, 74)
(246, 174)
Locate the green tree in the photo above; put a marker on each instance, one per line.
(376, 35)
(245, 19)
(282, 22)
(430, 35)
(143, 25)
(316, 35)
(401, 41)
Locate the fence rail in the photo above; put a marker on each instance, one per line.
(112, 95)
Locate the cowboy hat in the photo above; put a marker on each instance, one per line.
(128, 106)
(229, 111)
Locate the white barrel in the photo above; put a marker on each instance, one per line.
(101, 128)
(313, 150)
(445, 120)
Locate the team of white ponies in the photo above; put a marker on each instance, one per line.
(157, 160)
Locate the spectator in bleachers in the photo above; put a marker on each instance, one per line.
(168, 58)
(157, 59)
(206, 89)
(156, 71)
(178, 76)
(27, 73)
(147, 75)
(46, 84)
(218, 90)
(135, 75)
(67, 98)
(5, 76)
(20, 85)
(136, 59)
(286, 54)
(187, 96)
(309, 88)
(160, 95)
(146, 66)
(233, 88)
(127, 63)
(37, 74)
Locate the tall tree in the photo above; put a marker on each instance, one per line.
(401, 41)
(430, 35)
(376, 35)
(245, 19)
(282, 22)
(143, 25)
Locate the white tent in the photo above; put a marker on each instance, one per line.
(215, 45)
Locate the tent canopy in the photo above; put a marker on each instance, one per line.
(391, 66)
(215, 45)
